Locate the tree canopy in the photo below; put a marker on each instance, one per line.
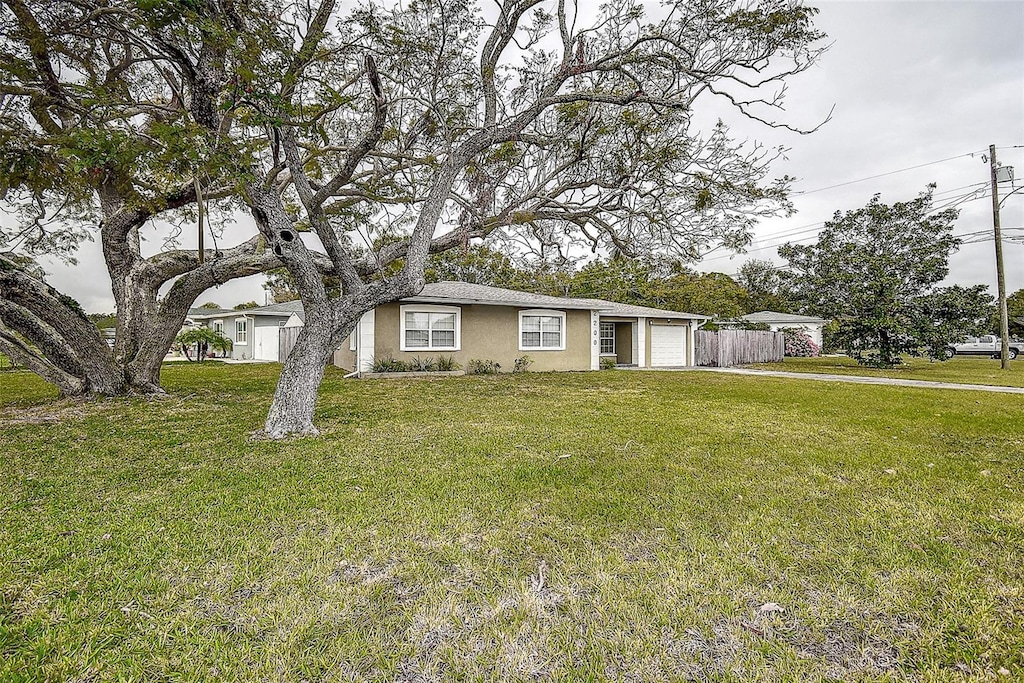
(113, 126)
(1015, 309)
(363, 138)
(876, 271)
(767, 287)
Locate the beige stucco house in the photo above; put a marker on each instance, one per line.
(469, 321)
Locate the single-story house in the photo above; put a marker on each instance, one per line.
(253, 332)
(469, 321)
(777, 321)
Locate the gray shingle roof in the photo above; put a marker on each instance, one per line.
(202, 312)
(469, 293)
(283, 309)
(776, 317)
(631, 311)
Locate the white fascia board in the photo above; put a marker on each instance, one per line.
(641, 342)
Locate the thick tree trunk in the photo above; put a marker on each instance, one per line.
(885, 348)
(60, 332)
(150, 348)
(291, 411)
(66, 383)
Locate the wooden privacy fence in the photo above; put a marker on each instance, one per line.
(738, 347)
(285, 341)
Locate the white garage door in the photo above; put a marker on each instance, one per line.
(265, 347)
(668, 345)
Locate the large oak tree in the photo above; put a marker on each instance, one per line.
(361, 140)
(112, 129)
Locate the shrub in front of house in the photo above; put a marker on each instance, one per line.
(522, 364)
(417, 364)
(389, 364)
(446, 364)
(478, 366)
(800, 345)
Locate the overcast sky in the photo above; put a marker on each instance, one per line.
(914, 84)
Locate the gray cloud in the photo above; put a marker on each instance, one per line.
(913, 83)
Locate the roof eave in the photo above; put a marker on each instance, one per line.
(497, 302)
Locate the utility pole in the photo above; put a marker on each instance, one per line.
(1004, 318)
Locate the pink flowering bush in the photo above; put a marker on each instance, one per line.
(800, 344)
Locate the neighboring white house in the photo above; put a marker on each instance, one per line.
(777, 321)
(254, 332)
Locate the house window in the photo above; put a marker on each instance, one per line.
(430, 328)
(218, 326)
(541, 331)
(607, 337)
(241, 331)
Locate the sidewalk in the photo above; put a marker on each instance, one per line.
(853, 379)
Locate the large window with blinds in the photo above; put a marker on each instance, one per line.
(430, 328)
(541, 331)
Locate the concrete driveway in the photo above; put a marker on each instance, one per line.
(853, 379)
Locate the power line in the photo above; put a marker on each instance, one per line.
(979, 235)
(888, 173)
(813, 232)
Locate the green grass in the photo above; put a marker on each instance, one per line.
(619, 526)
(960, 369)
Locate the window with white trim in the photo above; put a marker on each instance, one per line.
(541, 331)
(430, 328)
(218, 326)
(241, 331)
(607, 337)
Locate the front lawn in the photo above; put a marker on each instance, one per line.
(606, 526)
(960, 369)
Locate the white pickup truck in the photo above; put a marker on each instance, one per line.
(983, 346)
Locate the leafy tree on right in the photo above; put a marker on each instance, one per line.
(1015, 308)
(875, 270)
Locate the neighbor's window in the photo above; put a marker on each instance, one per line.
(430, 328)
(541, 330)
(607, 337)
(241, 331)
